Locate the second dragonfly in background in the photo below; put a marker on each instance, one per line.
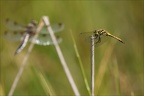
(19, 32)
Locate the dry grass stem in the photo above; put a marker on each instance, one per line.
(92, 65)
(24, 61)
(62, 60)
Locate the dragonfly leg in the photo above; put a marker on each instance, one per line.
(98, 40)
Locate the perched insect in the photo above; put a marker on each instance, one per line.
(18, 32)
(99, 34)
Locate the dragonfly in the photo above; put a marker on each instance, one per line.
(99, 34)
(25, 33)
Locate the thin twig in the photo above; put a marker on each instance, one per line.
(24, 61)
(92, 65)
(64, 65)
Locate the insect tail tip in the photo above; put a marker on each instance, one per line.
(122, 42)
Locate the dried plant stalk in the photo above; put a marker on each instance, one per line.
(92, 65)
(61, 57)
(24, 61)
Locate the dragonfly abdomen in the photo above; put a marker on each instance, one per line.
(23, 44)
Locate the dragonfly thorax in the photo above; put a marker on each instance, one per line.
(102, 32)
(95, 33)
(31, 28)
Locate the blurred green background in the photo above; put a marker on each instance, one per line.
(124, 19)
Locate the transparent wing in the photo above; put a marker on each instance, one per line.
(86, 36)
(44, 39)
(56, 28)
(11, 25)
(14, 35)
(100, 39)
(100, 36)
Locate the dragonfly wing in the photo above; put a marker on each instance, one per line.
(56, 28)
(44, 39)
(14, 26)
(99, 39)
(87, 33)
(86, 36)
(14, 35)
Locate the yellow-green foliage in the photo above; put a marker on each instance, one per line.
(124, 19)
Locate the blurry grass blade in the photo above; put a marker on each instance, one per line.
(1, 90)
(81, 65)
(103, 67)
(45, 84)
(132, 94)
(116, 76)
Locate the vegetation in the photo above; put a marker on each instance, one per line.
(118, 67)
